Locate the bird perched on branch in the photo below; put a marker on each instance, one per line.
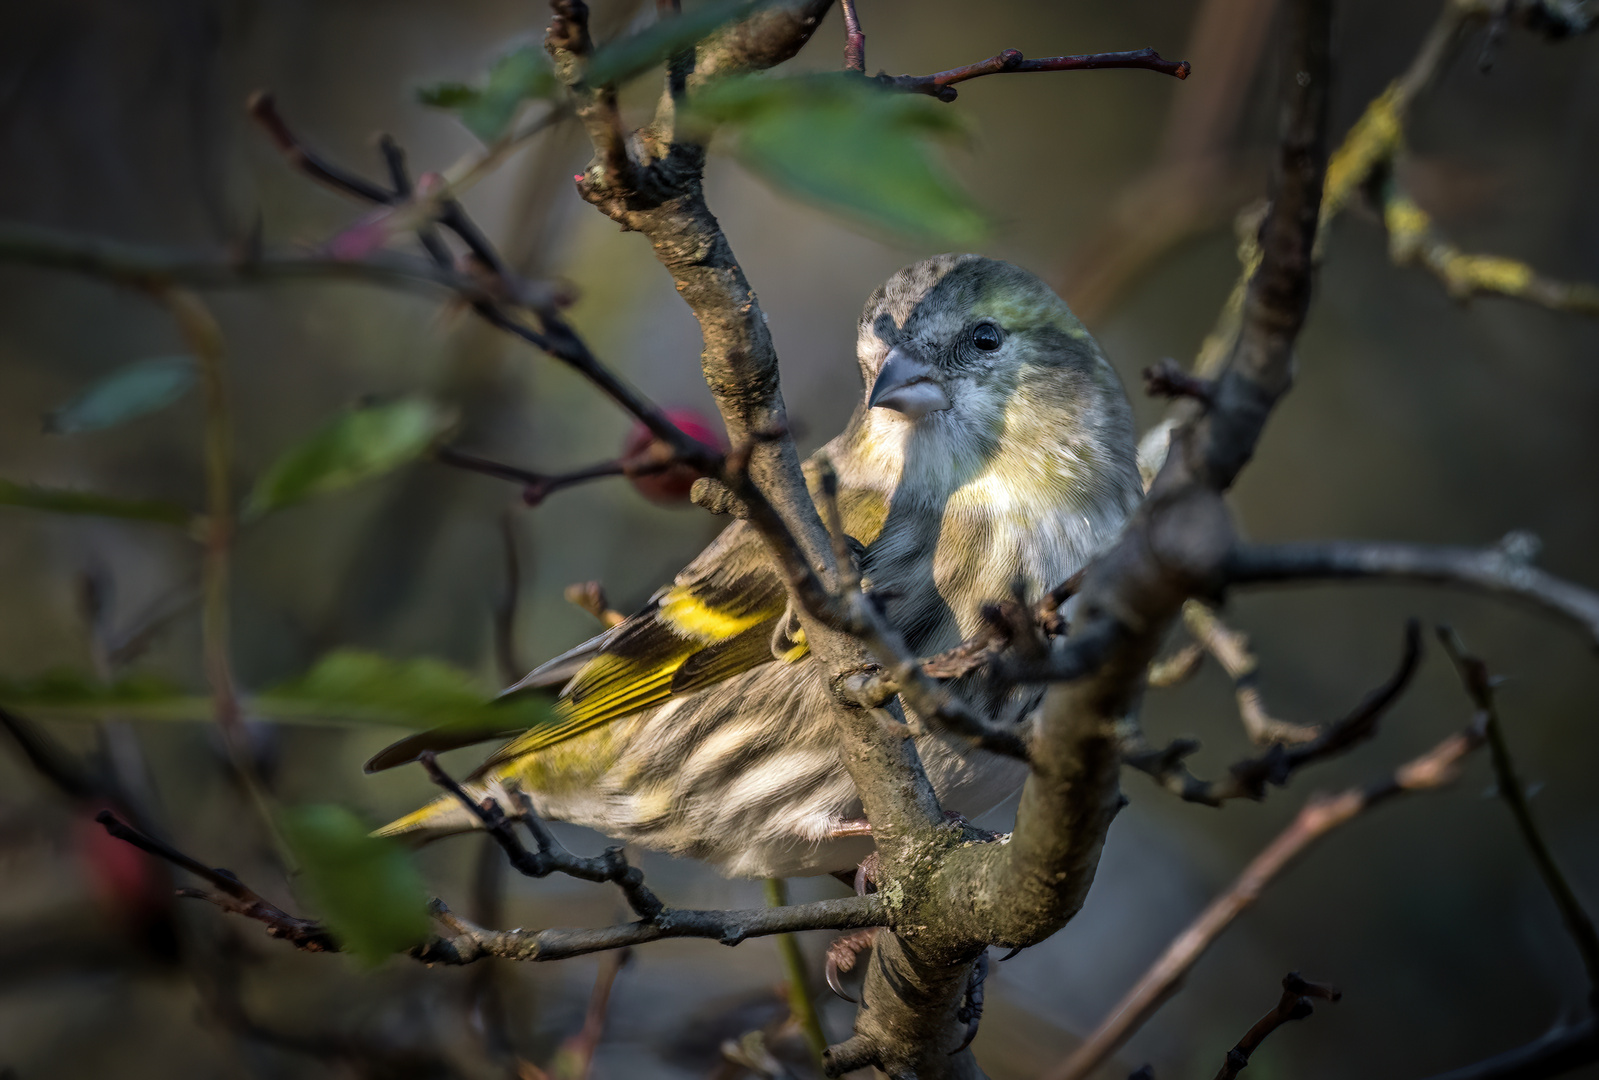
(993, 445)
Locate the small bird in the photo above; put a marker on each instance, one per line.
(993, 448)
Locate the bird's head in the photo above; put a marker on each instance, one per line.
(965, 347)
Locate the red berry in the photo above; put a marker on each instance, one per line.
(643, 455)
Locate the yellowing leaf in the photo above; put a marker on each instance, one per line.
(848, 145)
(359, 445)
(364, 888)
(129, 392)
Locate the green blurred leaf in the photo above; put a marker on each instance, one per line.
(421, 692)
(348, 686)
(60, 501)
(359, 445)
(365, 888)
(847, 145)
(620, 60)
(71, 688)
(129, 392)
(517, 77)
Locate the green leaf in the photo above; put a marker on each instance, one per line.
(618, 61)
(365, 888)
(359, 445)
(517, 77)
(421, 692)
(129, 392)
(70, 688)
(60, 501)
(848, 145)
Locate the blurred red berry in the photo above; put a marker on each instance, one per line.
(130, 886)
(643, 456)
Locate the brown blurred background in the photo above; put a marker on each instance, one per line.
(1414, 419)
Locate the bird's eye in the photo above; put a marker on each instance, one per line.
(986, 336)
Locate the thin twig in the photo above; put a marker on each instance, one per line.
(1479, 686)
(471, 943)
(1249, 778)
(1321, 815)
(801, 1002)
(1231, 649)
(551, 857)
(230, 894)
(1295, 1004)
(941, 85)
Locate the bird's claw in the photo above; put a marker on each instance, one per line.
(842, 955)
(971, 1011)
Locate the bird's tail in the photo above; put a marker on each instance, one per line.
(446, 815)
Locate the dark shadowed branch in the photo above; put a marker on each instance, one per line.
(1505, 570)
(941, 85)
(1296, 1003)
(470, 942)
(1248, 779)
(1321, 815)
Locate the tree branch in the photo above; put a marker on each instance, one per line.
(1321, 815)
(1248, 779)
(1504, 570)
(1295, 1004)
(470, 943)
(941, 85)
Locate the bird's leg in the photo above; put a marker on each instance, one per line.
(971, 1011)
(849, 827)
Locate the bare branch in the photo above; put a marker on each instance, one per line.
(1295, 1004)
(551, 857)
(1413, 241)
(1504, 570)
(1321, 815)
(941, 85)
(470, 943)
(1231, 649)
(1249, 778)
(230, 893)
(1479, 686)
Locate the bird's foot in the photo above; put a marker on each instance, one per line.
(844, 953)
(971, 1011)
(849, 827)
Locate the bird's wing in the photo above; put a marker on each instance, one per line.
(717, 620)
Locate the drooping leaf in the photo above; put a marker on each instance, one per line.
(62, 501)
(519, 76)
(421, 692)
(620, 60)
(360, 444)
(129, 392)
(848, 145)
(365, 888)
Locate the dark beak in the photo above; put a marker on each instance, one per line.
(909, 386)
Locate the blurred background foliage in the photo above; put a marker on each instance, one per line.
(1414, 418)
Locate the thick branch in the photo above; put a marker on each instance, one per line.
(1503, 570)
